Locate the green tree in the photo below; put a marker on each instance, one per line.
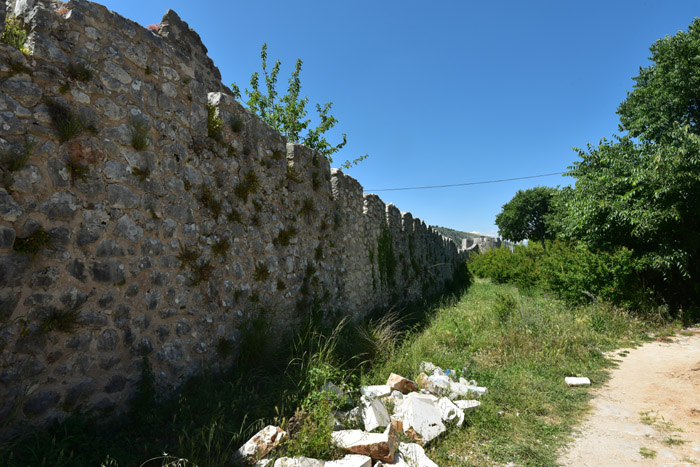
(526, 216)
(641, 190)
(287, 114)
(666, 92)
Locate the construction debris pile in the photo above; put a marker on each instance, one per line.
(421, 410)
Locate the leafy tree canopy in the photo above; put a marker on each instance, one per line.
(667, 91)
(642, 190)
(287, 114)
(525, 216)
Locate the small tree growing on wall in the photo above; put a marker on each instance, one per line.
(287, 114)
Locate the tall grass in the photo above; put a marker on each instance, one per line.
(521, 347)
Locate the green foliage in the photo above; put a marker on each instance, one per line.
(307, 206)
(285, 236)
(570, 270)
(262, 273)
(15, 34)
(60, 320)
(287, 114)
(201, 272)
(209, 200)
(13, 160)
(525, 216)
(665, 92)
(187, 256)
(67, 123)
(215, 125)
(639, 191)
(79, 72)
(221, 247)
(504, 306)
(139, 129)
(247, 186)
(34, 243)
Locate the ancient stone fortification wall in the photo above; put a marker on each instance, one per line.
(108, 253)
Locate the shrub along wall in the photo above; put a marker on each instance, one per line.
(143, 211)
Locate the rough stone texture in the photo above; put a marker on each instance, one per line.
(378, 446)
(401, 384)
(261, 443)
(351, 460)
(295, 233)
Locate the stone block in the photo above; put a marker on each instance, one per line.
(378, 446)
(262, 443)
(577, 381)
(399, 383)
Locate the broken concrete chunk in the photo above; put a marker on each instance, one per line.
(577, 381)
(381, 390)
(351, 460)
(399, 383)
(450, 412)
(467, 404)
(298, 462)
(378, 446)
(374, 414)
(262, 443)
(438, 384)
(414, 455)
(421, 414)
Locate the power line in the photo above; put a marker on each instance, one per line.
(464, 184)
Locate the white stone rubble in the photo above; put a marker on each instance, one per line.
(374, 414)
(262, 443)
(577, 381)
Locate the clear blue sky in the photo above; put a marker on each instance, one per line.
(445, 92)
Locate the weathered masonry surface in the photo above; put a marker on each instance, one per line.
(109, 253)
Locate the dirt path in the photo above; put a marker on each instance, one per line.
(649, 411)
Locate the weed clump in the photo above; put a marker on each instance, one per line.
(79, 72)
(247, 186)
(139, 133)
(67, 123)
(285, 236)
(208, 199)
(15, 34)
(60, 320)
(215, 125)
(220, 247)
(34, 243)
(78, 170)
(262, 273)
(12, 161)
(201, 272)
(187, 256)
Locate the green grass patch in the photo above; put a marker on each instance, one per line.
(521, 347)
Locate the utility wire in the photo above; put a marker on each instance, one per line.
(464, 184)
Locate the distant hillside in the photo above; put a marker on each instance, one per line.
(455, 235)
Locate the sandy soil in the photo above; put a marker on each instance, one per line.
(649, 411)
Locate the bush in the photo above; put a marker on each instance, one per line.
(570, 270)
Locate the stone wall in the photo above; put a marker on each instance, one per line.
(110, 251)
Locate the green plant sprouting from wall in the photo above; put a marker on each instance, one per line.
(285, 236)
(141, 174)
(14, 160)
(14, 34)
(139, 129)
(79, 72)
(236, 124)
(34, 243)
(66, 121)
(215, 125)
(221, 247)
(60, 320)
(247, 186)
(208, 199)
(78, 170)
(262, 273)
